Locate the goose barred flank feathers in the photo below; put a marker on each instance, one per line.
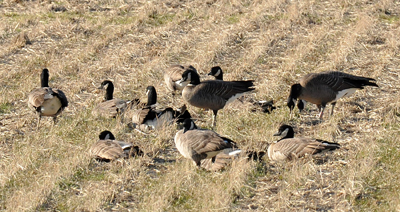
(107, 148)
(200, 144)
(289, 148)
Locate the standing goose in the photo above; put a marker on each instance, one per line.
(326, 87)
(200, 144)
(264, 106)
(111, 107)
(289, 148)
(212, 94)
(107, 148)
(45, 100)
(173, 75)
(156, 119)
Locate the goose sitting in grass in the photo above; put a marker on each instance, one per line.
(290, 148)
(200, 144)
(112, 107)
(173, 75)
(47, 101)
(212, 94)
(107, 148)
(326, 87)
(263, 106)
(148, 117)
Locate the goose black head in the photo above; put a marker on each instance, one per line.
(294, 94)
(188, 124)
(106, 135)
(151, 95)
(109, 89)
(285, 131)
(191, 76)
(216, 71)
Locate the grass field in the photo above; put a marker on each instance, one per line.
(133, 42)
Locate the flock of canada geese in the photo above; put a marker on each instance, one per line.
(206, 148)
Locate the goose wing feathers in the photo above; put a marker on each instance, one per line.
(111, 108)
(37, 96)
(291, 148)
(201, 142)
(109, 149)
(336, 80)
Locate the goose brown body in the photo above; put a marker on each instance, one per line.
(327, 87)
(47, 101)
(200, 144)
(107, 148)
(289, 148)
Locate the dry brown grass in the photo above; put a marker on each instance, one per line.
(132, 42)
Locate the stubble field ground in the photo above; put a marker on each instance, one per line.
(133, 42)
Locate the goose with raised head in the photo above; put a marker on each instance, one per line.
(173, 75)
(111, 107)
(199, 144)
(47, 101)
(326, 87)
(212, 94)
(290, 148)
(107, 148)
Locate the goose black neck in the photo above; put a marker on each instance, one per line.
(109, 91)
(44, 78)
(151, 96)
(195, 78)
(103, 135)
(295, 91)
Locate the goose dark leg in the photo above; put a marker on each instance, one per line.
(214, 118)
(333, 106)
(54, 120)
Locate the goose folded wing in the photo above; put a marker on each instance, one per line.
(107, 149)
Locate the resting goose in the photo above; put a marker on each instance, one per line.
(156, 119)
(200, 144)
(107, 148)
(173, 75)
(289, 148)
(47, 101)
(326, 87)
(112, 107)
(212, 94)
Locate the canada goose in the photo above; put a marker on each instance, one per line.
(326, 87)
(45, 100)
(155, 119)
(212, 94)
(173, 75)
(112, 107)
(200, 144)
(289, 148)
(264, 106)
(216, 72)
(107, 148)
